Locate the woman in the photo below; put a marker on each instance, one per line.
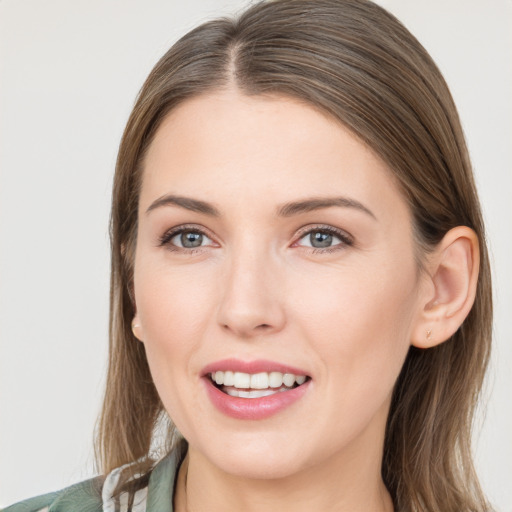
(299, 276)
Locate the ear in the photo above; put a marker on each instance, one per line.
(136, 327)
(449, 293)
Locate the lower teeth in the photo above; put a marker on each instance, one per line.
(253, 393)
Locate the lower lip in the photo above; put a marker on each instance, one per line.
(253, 408)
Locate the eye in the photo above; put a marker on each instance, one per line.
(185, 238)
(325, 239)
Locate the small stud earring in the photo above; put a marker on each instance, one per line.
(134, 326)
(429, 334)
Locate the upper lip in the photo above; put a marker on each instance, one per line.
(255, 366)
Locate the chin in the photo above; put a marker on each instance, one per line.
(261, 459)
(259, 468)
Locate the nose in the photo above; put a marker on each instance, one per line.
(251, 302)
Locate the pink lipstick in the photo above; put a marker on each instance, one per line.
(253, 390)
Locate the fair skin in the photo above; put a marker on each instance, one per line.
(251, 287)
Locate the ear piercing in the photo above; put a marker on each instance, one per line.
(135, 326)
(429, 334)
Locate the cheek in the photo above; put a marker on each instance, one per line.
(170, 301)
(357, 328)
(173, 307)
(359, 324)
(346, 302)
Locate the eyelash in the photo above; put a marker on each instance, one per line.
(346, 240)
(165, 239)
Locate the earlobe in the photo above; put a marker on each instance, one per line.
(136, 328)
(452, 281)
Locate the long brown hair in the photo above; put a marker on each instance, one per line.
(357, 63)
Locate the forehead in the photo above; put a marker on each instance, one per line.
(227, 147)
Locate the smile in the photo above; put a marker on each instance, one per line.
(256, 385)
(254, 390)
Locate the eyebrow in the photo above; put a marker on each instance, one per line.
(286, 210)
(194, 205)
(317, 203)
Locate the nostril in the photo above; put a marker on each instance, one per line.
(258, 327)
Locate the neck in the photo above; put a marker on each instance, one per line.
(349, 481)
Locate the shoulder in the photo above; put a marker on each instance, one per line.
(81, 497)
(97, 494)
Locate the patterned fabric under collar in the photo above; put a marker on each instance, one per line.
(95, 495)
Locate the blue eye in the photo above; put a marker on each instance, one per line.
(326, 239)
(189, 239)
(184, 238)
(320, 239)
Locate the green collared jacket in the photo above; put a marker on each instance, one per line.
(95, 495)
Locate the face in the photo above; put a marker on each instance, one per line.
(271, 241)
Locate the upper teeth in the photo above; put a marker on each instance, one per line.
(261, 380)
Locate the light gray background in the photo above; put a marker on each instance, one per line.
(68, 78)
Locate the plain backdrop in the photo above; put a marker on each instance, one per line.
(69, 73)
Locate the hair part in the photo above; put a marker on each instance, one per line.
(355, 62)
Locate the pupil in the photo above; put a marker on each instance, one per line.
(323, 239)
(190, 239)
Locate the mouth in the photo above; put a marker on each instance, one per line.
(255, 390)
(255, 385)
